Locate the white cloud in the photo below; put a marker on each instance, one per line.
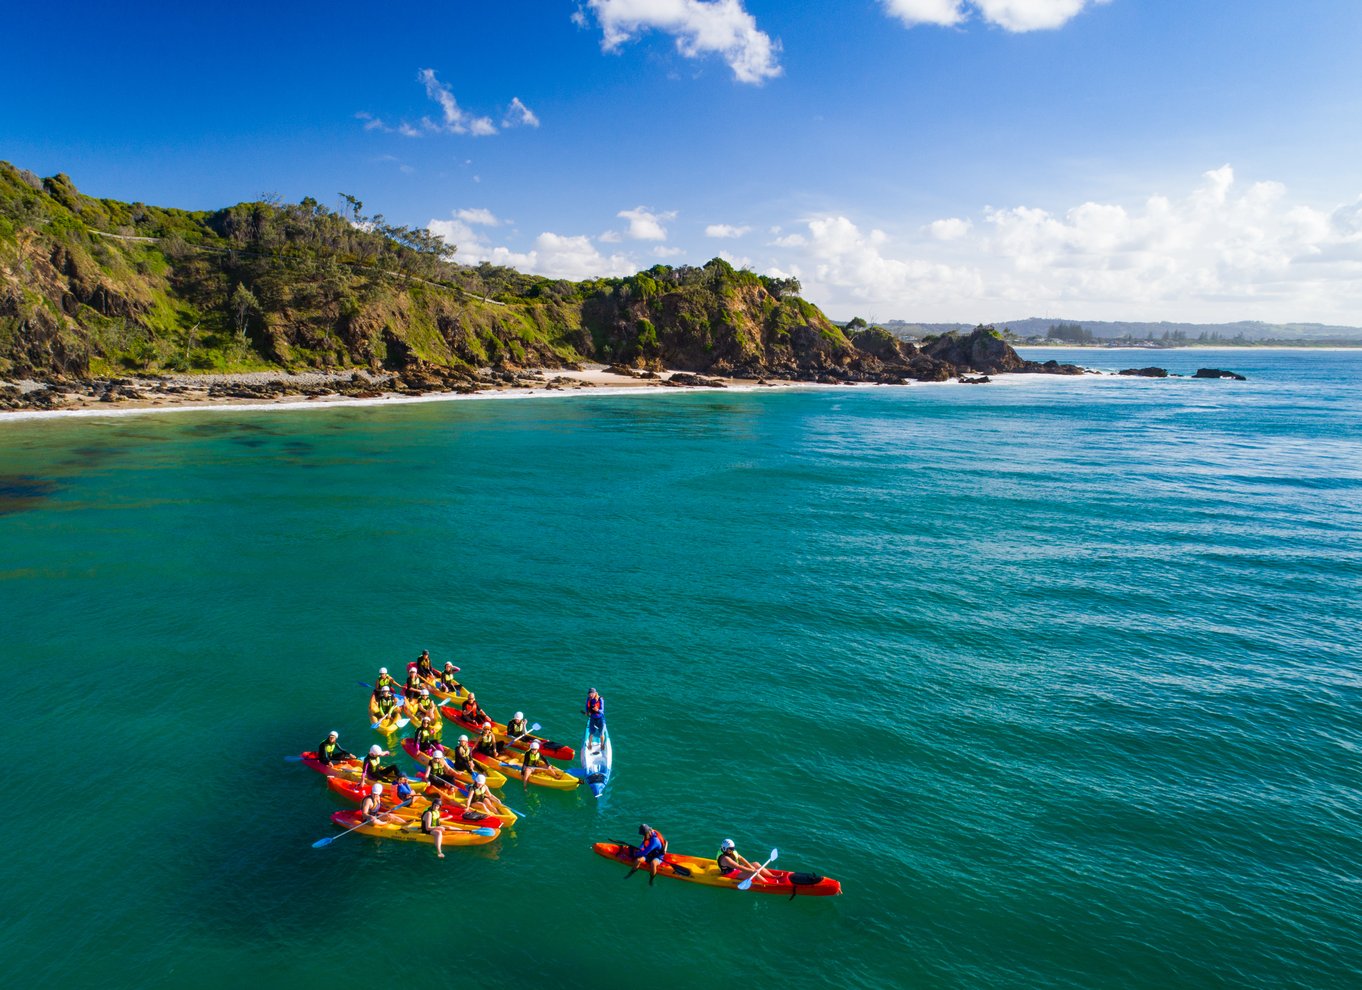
(950, 229)
(481, 216)
(453, 119)
(725, 230)
(1010, 15)
(645, 225)
(610, 237)
(553, 255)
(1222, 250)
(518, 114)
(700, 27)
(662, 251)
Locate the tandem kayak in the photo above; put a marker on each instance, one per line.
(410, 831)
(706, 871)
(551, 749)
(494, 779)
(511, 765)
(450, 814)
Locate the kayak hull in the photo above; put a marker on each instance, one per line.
(510, 765)
(454, 816)
(695, 869)
(494, 779)
(551, 749)
(408, 832)
(596, 761)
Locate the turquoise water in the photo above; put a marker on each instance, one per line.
(1060, 678)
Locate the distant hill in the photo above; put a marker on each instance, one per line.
(1245, 330)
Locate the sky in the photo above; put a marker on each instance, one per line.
(925, 160)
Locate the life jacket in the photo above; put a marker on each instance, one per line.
(372, 764)
(514, 728)
(423, 668)
(463, 757)
(479, 792)
(326, 751)
(594, 706)
(386, 705)
(729, 854)
(534, 759)
(372, 806)
(470, 708)
(429, 819)
(437, 767)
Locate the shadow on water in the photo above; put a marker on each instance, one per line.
(21, 492)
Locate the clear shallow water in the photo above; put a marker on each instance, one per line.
(1060, 678)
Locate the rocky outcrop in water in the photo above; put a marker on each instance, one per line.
(1150, 372)
(1217, 373)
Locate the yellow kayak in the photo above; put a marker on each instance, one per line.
(494, 779)
(512, 765)
(411, 831)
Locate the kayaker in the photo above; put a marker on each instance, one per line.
(423, 667)
(472, 711)
(425, 707)
(426, 735)
(374, 769)
(385, 680)
(372, 808)
(438, 771)
(462, 758)
(534, 760)
(517, 728)
(403, 787)
(650, 853)
(383, 707)
(447, 678)
(430, 824)
(481, 795)
(732, 864)
(487, 742)
(595, 714)
(414, 684)
(329, 751)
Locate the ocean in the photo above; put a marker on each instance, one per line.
(1060, 677)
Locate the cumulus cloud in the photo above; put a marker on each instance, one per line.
(725, 230)
(1221, 250)
(645, 225)
(452, 119)
(1010, 15)
(552, 255)
(662, 251)
(700, 27)
(482, 217)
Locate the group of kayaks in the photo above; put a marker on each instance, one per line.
(462, 826)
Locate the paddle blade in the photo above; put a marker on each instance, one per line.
(374, 725)
(293, 759)
(402, 723)
(324, 842)
(536, 727)
(774, 854)
(484, 831)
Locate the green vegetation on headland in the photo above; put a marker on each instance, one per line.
(1127, 334)
(95, 287)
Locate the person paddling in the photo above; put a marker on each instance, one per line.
(430, 824)
(426, 737)
(423, 667)
(517, 728)
(447, 678)
(424, 708)
(732, 864)
(329, 751)
(372, 808)
(481, 795)
(650, 853)
(595, 714)
(374, 769)
(384, 680)
(383, 708)
(414, 685)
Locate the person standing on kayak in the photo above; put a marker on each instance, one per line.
(430, 824)
(650, 853)
(329, 751)
(373, 766)
(733, 865)
(595, 714)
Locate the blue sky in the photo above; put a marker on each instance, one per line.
(972, 160)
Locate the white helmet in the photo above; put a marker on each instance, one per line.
(463, 739)
(519, 716)
(425, 692)
(535, 745)
(333, 734)
(382, 670)
(375, 750)
(437, 753)
(480, 779)
(727, 844)
(376, 790)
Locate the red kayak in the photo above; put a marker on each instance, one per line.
(330, 769)
(551, 749)
(706, 871)
(450, 814)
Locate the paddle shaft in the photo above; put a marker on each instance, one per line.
(747, 884)
(332, 838)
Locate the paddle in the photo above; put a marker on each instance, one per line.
(401, 723)
(747, 884)
(332, 838)
(366, 684)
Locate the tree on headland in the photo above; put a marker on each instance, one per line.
(1070, 332)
